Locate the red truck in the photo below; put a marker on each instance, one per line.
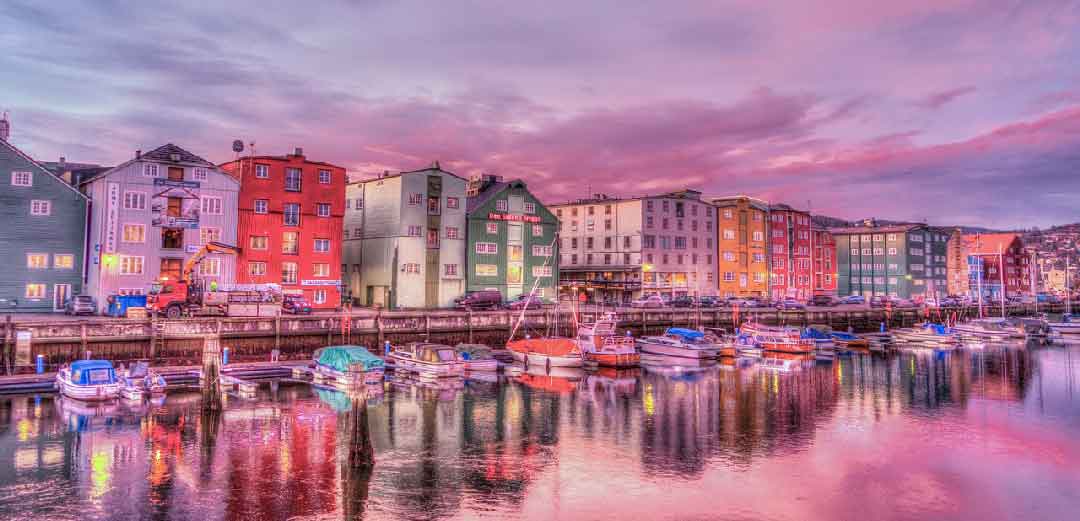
(191, 296)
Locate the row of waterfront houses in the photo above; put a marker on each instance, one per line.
(423, 238)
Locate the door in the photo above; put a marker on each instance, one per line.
(176, 173)
(61, 292)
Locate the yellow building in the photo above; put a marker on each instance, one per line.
(742, 266)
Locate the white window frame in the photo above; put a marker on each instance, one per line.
(206, 231)
(295, 271)
(134, 196)
(530, 207)
(262, 171)
(41, 207)
(261, 271)
(265, 242)
(199, 174)
(452, 232)
(317, 242)
(487, 248)
(319, 207)
(56, 258)
(210, 267)
(500, 205)
(136, 260)
(43, 257)
(319, 296)
(452, 202)
(328, 177)
(142, 233)
(320, 269)
(36, 295)
(492, 228)
(17, 176)
(265, 206)
(212, 205)
(150, 170)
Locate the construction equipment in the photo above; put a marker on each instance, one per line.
(189, 296)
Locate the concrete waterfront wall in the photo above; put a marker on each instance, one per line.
(62, 340)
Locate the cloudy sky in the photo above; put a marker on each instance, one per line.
(960, 112)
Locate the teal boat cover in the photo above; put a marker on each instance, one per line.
(340, 358)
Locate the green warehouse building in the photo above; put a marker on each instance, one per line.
(903, 260)
(511, 240)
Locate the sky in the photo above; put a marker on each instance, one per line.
(947, 111)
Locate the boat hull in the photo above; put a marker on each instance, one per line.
(482, 366)
(548, 360)
(785, 347)
(682, 352)
(614, 359)
(340, 379)
(88, 393)
(439, 370)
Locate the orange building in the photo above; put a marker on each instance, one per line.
(742, 267)
(290, 225)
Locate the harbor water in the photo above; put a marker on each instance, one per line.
(986, 434)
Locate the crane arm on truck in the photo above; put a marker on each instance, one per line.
(210, 247)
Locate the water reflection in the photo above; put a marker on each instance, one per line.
(667, 440)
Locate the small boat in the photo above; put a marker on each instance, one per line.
(930, 334)
(88, 380)
(683, 342)
(477, 357)
(988, 328)
(600, 344)
(348, 365)
(427, 359)
(139, 381)
(546, 351)
(822, 339)
(1068, 325)
(780, 340)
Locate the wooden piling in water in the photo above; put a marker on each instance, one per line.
(361, 453)
(211, 373)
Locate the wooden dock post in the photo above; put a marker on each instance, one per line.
(211, 373)
(7, 352)
(360, 452)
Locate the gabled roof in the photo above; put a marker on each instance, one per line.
(165, 153)
(491, 191)
(386, 175)
(988, 243)
(14, 151)
(896, 228)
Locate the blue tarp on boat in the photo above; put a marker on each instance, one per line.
(92, 372)
(340, 358)
(689, 334)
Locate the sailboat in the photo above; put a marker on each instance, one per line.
(548, 350)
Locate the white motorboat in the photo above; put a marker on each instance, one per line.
(681, 342)
(426, 359)
(88, 380)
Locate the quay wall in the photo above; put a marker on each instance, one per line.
(180, 341)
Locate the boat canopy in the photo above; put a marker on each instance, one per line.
(340, 358)
(92, 372)
(688, 334)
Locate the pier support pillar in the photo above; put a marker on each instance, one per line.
(211, 373)
(360, 453)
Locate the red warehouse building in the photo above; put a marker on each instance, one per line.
(824, 247)
(789, 252)
(291, 213)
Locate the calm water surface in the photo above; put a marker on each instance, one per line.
(989, 434)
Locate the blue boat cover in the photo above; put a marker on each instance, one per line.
(92, 372)
(341, 357)
(689, 334)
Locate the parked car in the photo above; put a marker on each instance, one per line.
(527, 302)
(735, 301)
(612, 302)
(651, 301)
(952, 301)
(757, 302)
(822, 300)
(790, 303)
(853, 299)
(81, 305)
(295, 304)
(682, 302)
(708, 302)
(479, 299)
(878, 301)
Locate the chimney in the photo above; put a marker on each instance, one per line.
(138, 154)
(298, 152)
(5, 127)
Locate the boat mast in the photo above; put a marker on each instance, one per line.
(1001, 278)
(1068, 290)
(532, 292)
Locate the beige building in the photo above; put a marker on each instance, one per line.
(619, 249)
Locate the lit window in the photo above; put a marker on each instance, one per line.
(259, 242)
(288, 273)
(37, 261)
(321, 269)
(134, 233)
(35, 291)
(131, 265)
(290, 243)
(256, 268)
(63, 261)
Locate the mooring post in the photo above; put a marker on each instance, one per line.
(469, 311)
(211, 372)
(277, 332)
(361, 453)
(379, 326)
(6, 353)
(82, 335)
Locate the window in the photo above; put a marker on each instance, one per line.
(450, 270)
(541, 251)
(411, 267)
(531, 208)
(262, 171)
(291, 214)
(324, 177)
(589, 243)
(607, 224)
(433, 238)
(35, 291)
(779, 248)
(259, 242)
(452, 202)
(727, 213)
(415, 230)
(172, 238)
(541, 271)
(730, 234)
(854, 251)
(150, 170)
(648, 221)
(134, 233)
(358, 233)
(607, 243)
(648, 241)
(879, 251)
(63, 261)
(262, 206)
(290, 243)
(319, 296)
(758, 257)
(664, 223)
(40, 207)
(322, 245)
(359, 204)
(489, 248)
(207, 235)
(134, 200)
(729, 256)
(452, 232)
(130, 265)
(493, 227)
(210, 267)
(22, 179)
(680, 243)
(257, 268)
(322, 209)
(867, 251)
(199, 174)
(415, 199)
(320, 269)
(500, 205)
(537, 230)
(729, 276)
(488, 270)
(288, 272)
(37, 261)
(293, 177)
(433, 206)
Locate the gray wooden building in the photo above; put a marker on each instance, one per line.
(43, 235)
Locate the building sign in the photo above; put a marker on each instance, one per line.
(112, 211)
(320, 282)
(513, 217)
(175, 204)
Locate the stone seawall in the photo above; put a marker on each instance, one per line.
(62, 340)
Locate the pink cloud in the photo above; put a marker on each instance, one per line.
(936, 100)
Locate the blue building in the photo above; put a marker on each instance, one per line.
(43, 237)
